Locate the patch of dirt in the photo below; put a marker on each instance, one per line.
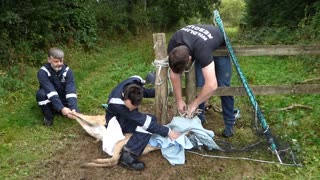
(66, 163)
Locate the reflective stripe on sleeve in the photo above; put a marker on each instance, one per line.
(139, 77)
(41, 103)
(71, 95)
(116, 101)
(147, 122)
(142, 130)
(53, 93)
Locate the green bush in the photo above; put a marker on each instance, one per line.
(232, 12)
(31, 27)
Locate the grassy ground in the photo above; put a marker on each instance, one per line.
(24, 142)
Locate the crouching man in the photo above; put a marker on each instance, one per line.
(123, 103)
(57, 91)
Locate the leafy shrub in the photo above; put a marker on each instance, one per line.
(232, 12)
(11, 82)
(30, 27)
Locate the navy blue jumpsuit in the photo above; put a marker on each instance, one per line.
(57, 90)
(140, 124)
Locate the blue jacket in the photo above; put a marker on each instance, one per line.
(59, 86)
(116, 107)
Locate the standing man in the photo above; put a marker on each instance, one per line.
(123, 104)
(57, 92)
(195, 44)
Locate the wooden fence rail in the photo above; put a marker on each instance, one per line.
(271, 50)
(266, 90)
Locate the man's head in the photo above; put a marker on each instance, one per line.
(133, 95)
(179, 58)
(55, 58)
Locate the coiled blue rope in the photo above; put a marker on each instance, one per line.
(265, 127)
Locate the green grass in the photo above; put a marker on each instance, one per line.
(296, 126)
(24, 142)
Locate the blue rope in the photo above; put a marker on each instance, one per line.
(252, 98)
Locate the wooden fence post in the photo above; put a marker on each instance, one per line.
(161, 84)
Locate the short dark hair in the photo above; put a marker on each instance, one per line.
(134, 93)
(178, 59)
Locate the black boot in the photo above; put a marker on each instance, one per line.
(47, 122)
(129, 160)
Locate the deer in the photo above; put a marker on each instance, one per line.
(94, 125)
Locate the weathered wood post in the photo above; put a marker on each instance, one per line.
(191, 91)
(161, 84)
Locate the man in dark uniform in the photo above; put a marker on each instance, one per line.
(57, 92)
(196, 43)
(123, 104)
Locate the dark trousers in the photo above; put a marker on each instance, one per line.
(223, 70)
(139, 139)
(45, 105)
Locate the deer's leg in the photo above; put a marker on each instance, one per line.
(149, 148)
(116, 153)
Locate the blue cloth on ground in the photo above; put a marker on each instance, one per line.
(173, 151)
